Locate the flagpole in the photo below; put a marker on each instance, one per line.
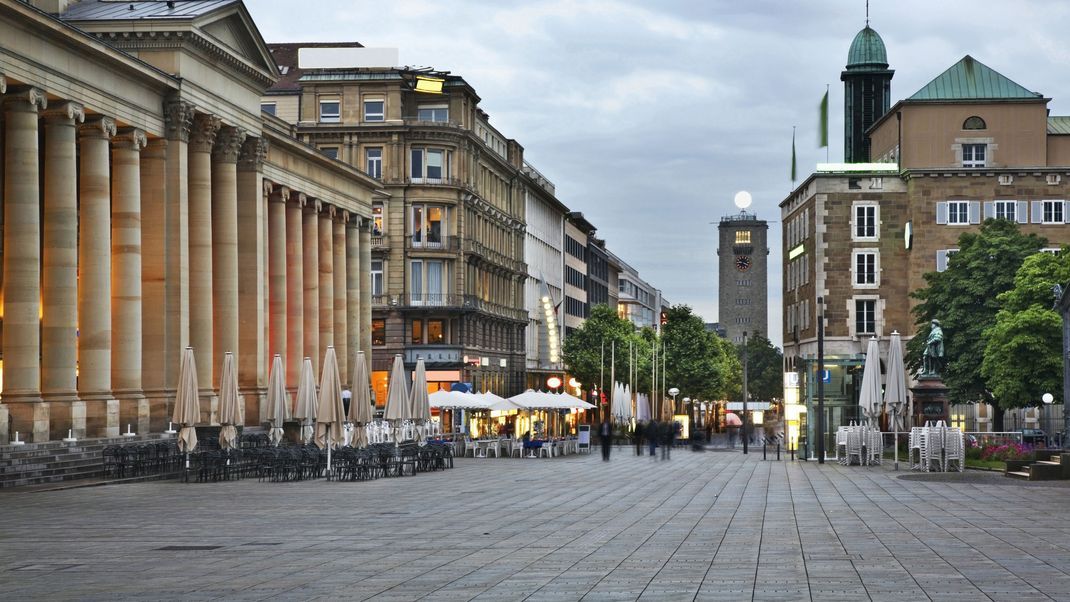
(602, 380)
(826, 100)
(612, 370)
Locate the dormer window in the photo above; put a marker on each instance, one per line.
(974, 123)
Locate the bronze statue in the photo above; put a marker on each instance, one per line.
(934, 351)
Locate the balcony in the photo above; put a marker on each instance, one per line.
(435, 356)
(432, 300)
(380, 242)
(450, 244)
(495, 309)
(383, 300)
(481, 252)
(446, 182)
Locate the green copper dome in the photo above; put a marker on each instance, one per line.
(867, 51)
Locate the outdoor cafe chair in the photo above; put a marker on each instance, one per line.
(546, 449)
(954, 449)
(516, 446)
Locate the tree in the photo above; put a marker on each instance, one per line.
(583, 347)
(698, 362)
(1023, 349)
(964, 297)
(765, 369)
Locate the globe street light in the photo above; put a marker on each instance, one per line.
(690, 411)
(1047, 398)
(674, 392)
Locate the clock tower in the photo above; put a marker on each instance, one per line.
(743, 253)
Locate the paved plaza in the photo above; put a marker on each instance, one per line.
(705, 526)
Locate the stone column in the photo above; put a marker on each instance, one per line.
(126, 279)
(225, 245)
(353, 340)
(366, 288)
(341, 332)
(252, 263)
(202, 139)
(295, 304)
(22, 266)
(277, 245)
(154, 254)
(94, 278)
(59, 274)
(326, 280)
(311, 266)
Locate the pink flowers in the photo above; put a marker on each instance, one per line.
(1006, 451)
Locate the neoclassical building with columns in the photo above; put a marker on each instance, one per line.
(149, 205)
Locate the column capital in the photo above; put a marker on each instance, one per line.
(330, 211)
(352, 220)
(365, 224)
(202, 136)
(228, 144)
(253, 152)
(178, 120)
(130, 139)
(26, 99)
(341, 216)
(3, 82)
(297, 198)
(268, 187)
(65, 111)
(314, 206)
(97, 127)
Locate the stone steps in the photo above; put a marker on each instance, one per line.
(57, 461)
(1020, 474)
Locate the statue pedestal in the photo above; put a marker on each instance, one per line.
(930, 400)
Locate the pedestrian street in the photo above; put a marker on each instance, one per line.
(715, 525)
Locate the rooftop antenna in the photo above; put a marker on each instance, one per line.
(867, 13)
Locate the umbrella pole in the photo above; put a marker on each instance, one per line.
(895, 442)
(329, 461)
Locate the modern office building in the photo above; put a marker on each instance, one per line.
(577, 231)
(544, 287)
(637, 300)
(149, 206)
(448, 269)
(968, 146)
(743, 275)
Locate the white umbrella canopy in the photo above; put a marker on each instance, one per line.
(397, 397)
(571, 402)
(230, 414)
(869, 398)
(628, 413)
(360, 407)
(457, 400)
(305, 407)
(187, 405)
(498, 403)
(278, 409)
(330, 412)
(895, 390)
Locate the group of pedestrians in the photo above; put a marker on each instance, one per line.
(652, 434)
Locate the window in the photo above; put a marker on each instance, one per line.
(427, 282)
(865, 268)
(958, 212)
(373, 110)
(1052, 212)
(436, 332)
(973, 155)
(428, 226)
(377, 219)
(373, 162)
(1006, 210)
(330, 151)
(437, 113)
(417, 332)
(377, 278)
(865, 316)
(430, 163)
(742, 237)
(574, 277)
(379, 332)
(865, 226)
(329, 111)
(268, 107)
(574, 307)
(942, 257)
(973, 123)
(576, 249)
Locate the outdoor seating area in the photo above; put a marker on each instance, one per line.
(505, 447)
(937, 448)
(861, 445)
(141, 459)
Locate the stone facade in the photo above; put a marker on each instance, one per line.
(743, 276)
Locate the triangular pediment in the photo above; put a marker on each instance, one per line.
(234, 30)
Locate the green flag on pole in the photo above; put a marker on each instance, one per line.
(792, 155)
(823, 127)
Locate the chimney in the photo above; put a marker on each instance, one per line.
(52, 7)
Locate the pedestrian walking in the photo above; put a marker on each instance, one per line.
(605, 434)
(638, 434)
(666, 440)
(652, 433)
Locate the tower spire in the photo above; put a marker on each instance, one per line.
(867, 13)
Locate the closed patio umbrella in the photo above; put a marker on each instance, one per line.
(360, 407)
(419, 406)
(895, 391)
(187, 405)
(869, 398)
(397, 397)
(330, 412)
(277, 408)
(731, 419)
(305, 409)
(230, 411)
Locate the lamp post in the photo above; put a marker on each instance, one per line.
(674, 392)
(1047, 398)
(690, 415)
(745, 393)
(821, 381)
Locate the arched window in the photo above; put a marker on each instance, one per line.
(973, 123)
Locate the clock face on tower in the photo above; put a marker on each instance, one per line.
(743, 263)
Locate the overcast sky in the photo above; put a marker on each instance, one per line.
(649, 116)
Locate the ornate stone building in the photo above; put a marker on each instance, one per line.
(148, 205)
(447, 265)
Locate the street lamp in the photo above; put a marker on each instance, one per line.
(745, 437)
(674, 392)
(690, 416)
(1047, 398)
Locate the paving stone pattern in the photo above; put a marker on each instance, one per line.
(703, 526)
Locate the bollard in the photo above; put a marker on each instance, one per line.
(777, 451)
(765, 446)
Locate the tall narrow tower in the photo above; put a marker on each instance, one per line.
(743, 273)
(867, 87)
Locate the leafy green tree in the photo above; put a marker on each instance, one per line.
(582, 350)
(699, 363)
(765, 369)
(1023, 349)
(964, 297)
